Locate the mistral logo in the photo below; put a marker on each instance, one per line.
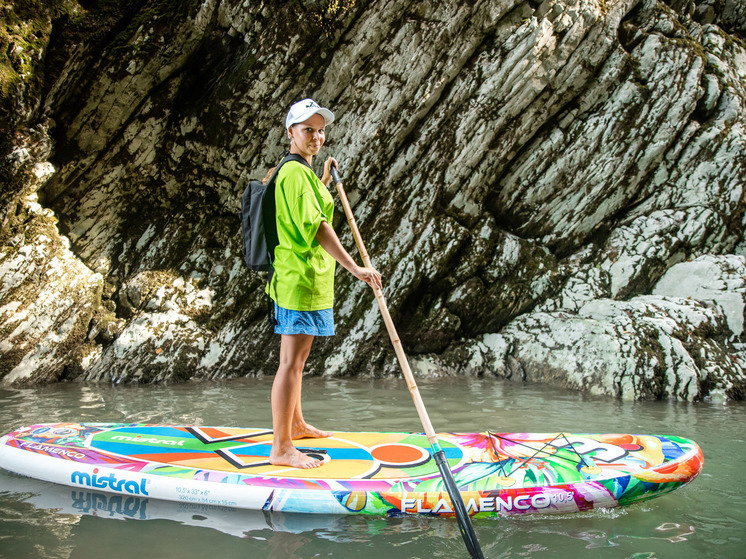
(109, 482)
(151, 440)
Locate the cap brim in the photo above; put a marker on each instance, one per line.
(326, 113)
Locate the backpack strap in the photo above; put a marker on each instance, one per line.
(270, 216)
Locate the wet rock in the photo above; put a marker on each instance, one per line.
(648, 347)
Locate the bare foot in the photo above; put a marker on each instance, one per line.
(293, 458)
(306, 431)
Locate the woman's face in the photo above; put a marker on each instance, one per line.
(308, 137)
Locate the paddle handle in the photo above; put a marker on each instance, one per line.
(393, 334)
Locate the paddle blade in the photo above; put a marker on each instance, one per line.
(464, 522)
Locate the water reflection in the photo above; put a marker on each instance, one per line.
(705, 519)
(592, 530)
(236, 522)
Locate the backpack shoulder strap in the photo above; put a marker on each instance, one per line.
(291, 157)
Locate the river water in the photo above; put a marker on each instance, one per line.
(704, 519)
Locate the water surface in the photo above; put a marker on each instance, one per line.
(705, 519)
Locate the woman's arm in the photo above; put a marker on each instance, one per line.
(327, 238)
(326, 177)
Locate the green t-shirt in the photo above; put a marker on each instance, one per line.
(304, 271)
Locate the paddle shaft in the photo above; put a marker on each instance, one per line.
(393, 334)
(465, 525)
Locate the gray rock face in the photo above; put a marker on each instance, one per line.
(553, 191)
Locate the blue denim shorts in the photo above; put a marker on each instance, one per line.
(312, 323)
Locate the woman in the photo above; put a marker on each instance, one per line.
(303, 283)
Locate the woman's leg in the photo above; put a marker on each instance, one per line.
(301, 429)
(286, 390)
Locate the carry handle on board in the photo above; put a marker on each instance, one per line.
(464, 522)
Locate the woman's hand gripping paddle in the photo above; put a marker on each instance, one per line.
(464, 522)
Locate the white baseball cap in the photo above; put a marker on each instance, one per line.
(303, 110)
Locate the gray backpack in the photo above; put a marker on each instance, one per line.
(258, 219)
(259, 225)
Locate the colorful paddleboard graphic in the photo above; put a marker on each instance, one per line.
(362, 473)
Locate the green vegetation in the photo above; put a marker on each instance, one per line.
(25, 27)
(328, 15)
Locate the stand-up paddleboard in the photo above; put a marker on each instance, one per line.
(362, 473)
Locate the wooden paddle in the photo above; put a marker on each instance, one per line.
(464, 522)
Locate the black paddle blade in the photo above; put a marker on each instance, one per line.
(464, 522)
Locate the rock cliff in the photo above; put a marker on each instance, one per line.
(554, 191)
